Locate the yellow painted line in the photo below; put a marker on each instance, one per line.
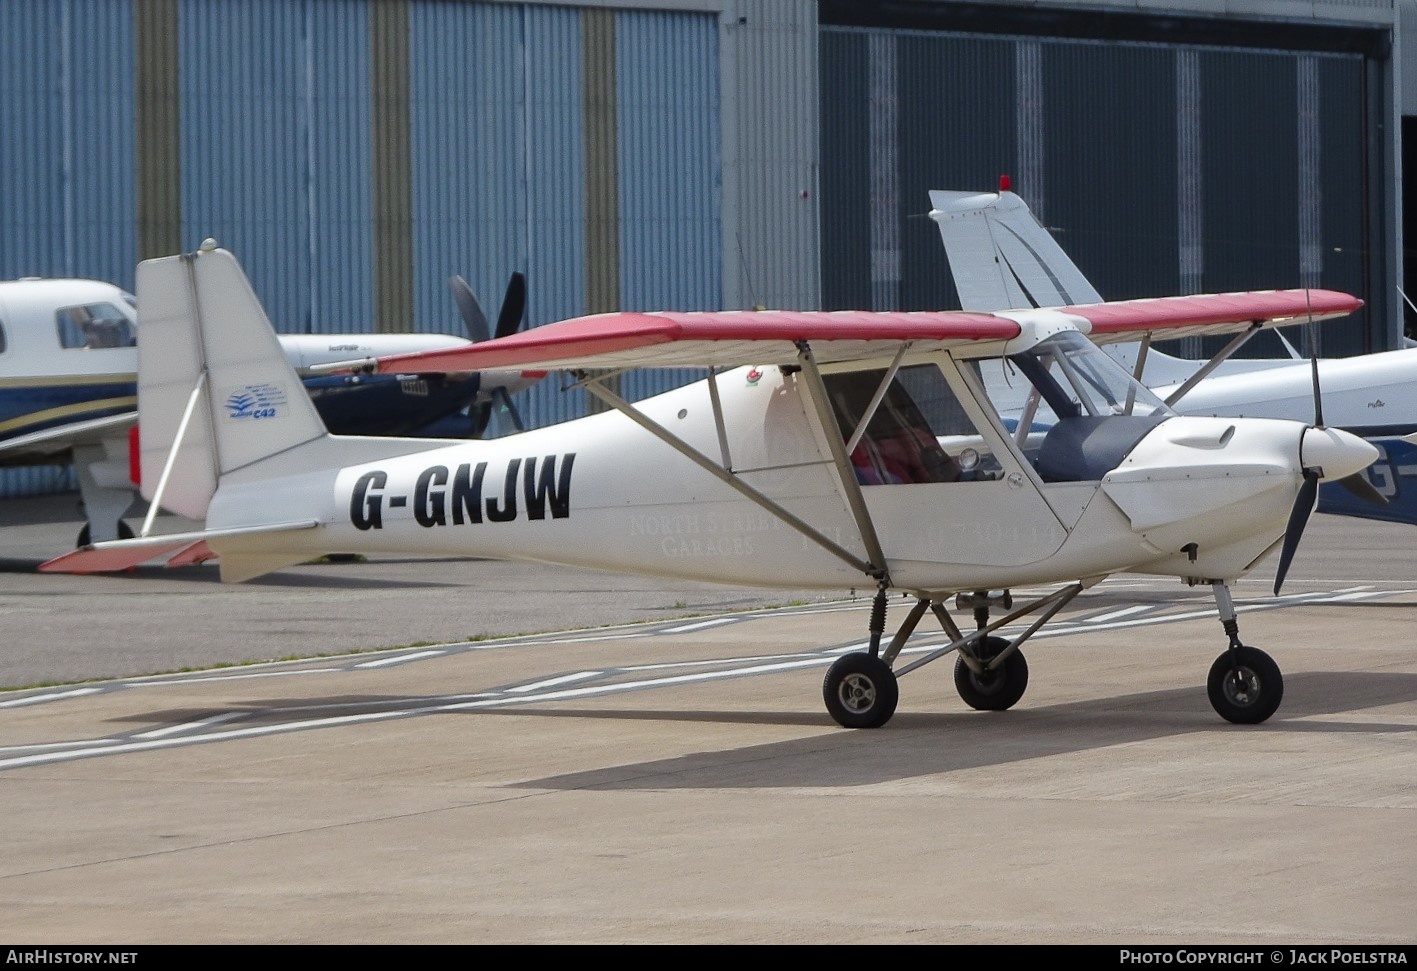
(127, 403)
(62, 380)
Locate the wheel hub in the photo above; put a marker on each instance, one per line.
(1242, 687)
(857, 692)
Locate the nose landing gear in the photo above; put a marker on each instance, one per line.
(1244, 685)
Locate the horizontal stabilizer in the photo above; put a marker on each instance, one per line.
(92, 559)
(120, 554)
(198, 552)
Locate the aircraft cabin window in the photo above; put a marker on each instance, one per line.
(918, 433)
(94, 325)
(2, 338)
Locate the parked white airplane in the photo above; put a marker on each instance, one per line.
(836, 450)
(68, 391)
(1001, 256)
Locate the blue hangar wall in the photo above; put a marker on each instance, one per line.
(354, 154)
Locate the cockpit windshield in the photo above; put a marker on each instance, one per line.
(1073, 410)
(1071, 376)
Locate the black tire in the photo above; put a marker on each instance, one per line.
(124, 532)
(860, 691)
(1000, 689)
(1245, 686)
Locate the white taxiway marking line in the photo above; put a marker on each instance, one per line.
(402, 658)
(552, 682)
(228, 677)
(36, 699)
(699, 626)
(753, 667)
(41, 746)
(191, 726)
(257, 731)
(1113, 615)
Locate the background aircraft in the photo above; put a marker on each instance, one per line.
(1001, 256)
(836, 450)
(68, 362)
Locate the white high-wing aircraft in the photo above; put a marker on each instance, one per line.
(68, 391)
(1001, 256)
(826, 450)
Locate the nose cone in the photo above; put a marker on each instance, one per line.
(1338, 453)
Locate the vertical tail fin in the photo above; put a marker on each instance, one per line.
(212, 379)
(1002, 257)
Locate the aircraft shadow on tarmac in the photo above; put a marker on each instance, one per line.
(915, 744)
(928, 743)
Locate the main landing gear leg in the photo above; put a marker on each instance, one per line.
(1245, 686)
(860, 689)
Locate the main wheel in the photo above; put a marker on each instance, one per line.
(996, 690)
(860, 691)
(124, 532)
(1245, 685)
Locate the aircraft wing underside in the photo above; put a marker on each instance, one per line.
(739, 337)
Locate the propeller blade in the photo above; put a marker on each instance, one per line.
(1358, 484)
(472, 316)
(509, 319)
(1298, 519)
(1318, 398)
(481, 414)
(511, 409)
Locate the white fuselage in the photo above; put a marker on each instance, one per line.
(1363, 394)
(1197, 497)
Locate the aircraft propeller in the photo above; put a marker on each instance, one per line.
(509, 321)
(1307, 498)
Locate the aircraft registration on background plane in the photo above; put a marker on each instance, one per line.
(68, 392)
(1001, 256)
(831, 450)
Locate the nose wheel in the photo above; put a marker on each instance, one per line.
(1244, 685)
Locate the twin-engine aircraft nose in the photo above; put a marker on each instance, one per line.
(1337, 453)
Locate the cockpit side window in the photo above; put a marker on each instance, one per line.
(918, 432)
(94, 325)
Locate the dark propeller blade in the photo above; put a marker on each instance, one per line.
(1318, 398)
(1308, 495)
(1298, 519)
(1358, 484)
(509, 319)
(481, 415)
(472, 316)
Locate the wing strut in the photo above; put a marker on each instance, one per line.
(594, 387)
(1142, 348)
(1221, 356)
(854, 499)
(718, 418)
(876, 400)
